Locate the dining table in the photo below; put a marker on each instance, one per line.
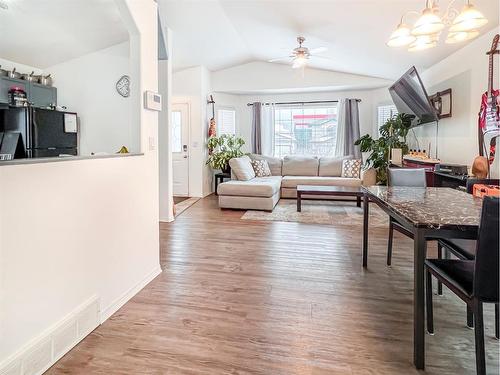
(428, 213)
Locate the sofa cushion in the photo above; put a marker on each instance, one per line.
(293, 181)
(261, 168)
(331, 166)
(275, 164)
(242, 168)
(351, 168)
(256, 187)
(300, 166)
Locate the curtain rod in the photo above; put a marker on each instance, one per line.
(312, 102)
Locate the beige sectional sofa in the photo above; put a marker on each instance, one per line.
(245, 191)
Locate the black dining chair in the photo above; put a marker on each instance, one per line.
(474, 281)
(466, 249)
(411, 177)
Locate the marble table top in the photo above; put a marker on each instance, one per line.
(430, 207)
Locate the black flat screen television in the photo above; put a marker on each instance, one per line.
(410, 97)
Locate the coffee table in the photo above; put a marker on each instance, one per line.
(337, 191)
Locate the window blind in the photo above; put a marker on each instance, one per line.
(226, 121)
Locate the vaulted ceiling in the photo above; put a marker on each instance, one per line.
(42, 33)
(223, 33)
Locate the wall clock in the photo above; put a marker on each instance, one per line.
(123, 86)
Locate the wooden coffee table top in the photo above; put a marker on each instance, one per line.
(330, 190)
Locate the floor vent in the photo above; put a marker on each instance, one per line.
(50, 346)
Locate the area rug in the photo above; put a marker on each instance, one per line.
(320, 212)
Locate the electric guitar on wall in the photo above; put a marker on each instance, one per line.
(489, 114)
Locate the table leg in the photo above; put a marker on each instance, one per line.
(420, 248)
(216, 184)
(358, 201)
(365, 229)
(299, 201)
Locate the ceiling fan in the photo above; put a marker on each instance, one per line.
(300, 55)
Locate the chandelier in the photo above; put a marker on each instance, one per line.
(426, 31)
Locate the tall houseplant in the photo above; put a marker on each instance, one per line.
(222, 149)
(392, 135)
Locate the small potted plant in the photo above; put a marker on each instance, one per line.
(392, 135)
(222, 149)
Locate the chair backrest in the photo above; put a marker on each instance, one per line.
(486, 181)
(414, 177)
(486, 269)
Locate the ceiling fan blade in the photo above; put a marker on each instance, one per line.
(318, 50)
(279, 59)
(321, 57)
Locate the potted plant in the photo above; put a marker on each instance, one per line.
(392, 135)
(222, 149)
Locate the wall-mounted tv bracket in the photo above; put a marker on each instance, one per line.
(442, 103)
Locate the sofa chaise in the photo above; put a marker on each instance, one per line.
(248, 192)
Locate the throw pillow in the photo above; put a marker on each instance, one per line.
(261, 168)
(351, 168)
(242, 168)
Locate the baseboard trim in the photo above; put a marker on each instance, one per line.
(40, 353)
(125, 297)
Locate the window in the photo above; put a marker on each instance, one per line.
(385, 112)
(226, 121)
(305, 130)
(176, 131)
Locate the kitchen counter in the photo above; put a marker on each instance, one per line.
(65, 158)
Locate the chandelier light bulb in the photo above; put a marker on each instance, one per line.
(429, 23)
(461, 36)
(401, 36)
(469, 19)
(423, 42)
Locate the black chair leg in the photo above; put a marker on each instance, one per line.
(440, 256)
(479, 336)
(389, 243)
(470, 317)
(430, 313)
(497, 328)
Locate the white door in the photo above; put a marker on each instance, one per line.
(180, 148)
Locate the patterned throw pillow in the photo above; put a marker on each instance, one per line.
(261, 168)
(351, 168)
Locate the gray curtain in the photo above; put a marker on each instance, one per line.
(257, 128)
(348, 128)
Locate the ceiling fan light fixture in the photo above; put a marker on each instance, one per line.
(461, 36)
(429, 23)
(401, 36)
(299, 61)
(424, 42)
(469, 19)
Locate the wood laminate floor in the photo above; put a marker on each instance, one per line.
(247, 297)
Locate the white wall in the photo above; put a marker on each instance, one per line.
(86, 85)
(72, 230)
(261, 77)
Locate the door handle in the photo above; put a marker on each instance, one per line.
(185, 156)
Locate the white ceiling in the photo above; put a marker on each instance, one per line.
(223, 33)
(42, 33)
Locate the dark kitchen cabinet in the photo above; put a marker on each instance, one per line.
(42, 96)
(38, 95)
